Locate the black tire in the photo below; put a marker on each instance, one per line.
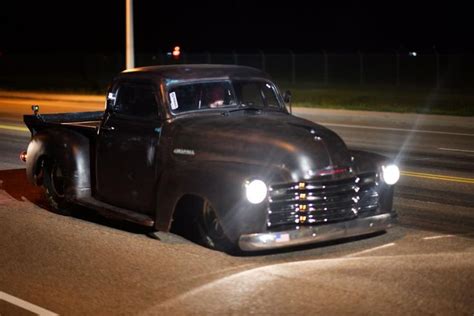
(54, 186)
(211, 234)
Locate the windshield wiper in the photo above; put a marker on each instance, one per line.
(244, 107)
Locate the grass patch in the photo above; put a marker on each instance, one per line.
(386, 99)
(368, 98)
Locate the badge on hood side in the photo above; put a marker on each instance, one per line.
(181, 151)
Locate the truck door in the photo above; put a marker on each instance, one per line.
(127, 156)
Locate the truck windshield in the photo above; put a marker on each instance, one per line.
(223, 94)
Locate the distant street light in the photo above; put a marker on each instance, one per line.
(129, 46)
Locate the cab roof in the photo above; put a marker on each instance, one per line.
(172, 73)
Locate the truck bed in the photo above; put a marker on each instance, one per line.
(84, 122)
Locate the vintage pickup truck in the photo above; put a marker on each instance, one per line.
(213, 153)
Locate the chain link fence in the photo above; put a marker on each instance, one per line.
(433, 70)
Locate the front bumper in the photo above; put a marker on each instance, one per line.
(314, 234)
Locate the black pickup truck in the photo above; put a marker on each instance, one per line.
(213, 153)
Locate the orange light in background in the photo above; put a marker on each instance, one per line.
(176, 52)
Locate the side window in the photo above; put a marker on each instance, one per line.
(136, 99)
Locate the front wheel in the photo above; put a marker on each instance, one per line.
(54, 185)
(211, 233)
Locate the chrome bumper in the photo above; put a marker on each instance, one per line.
(313, 234)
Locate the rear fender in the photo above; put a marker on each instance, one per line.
(70, 150)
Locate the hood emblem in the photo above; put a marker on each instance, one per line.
(332, 170)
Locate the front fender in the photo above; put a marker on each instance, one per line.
(366, 162)
(223, 185)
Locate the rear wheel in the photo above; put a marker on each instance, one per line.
(54, 185)
(211, 233)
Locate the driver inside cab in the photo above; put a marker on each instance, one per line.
(216, 97)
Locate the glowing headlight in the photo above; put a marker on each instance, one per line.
(256, 191)
(390, 174)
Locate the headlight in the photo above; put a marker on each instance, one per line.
(390, 174)
(256, 191)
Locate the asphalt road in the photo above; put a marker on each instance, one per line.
(86, 264)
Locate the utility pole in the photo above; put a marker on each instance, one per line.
(129, 46)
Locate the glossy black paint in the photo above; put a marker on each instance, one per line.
(146, 166)
(127, 163)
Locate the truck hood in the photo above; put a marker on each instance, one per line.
(268, 139)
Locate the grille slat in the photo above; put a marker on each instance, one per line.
(327, 190)
(322, 201)
(346, 202)
(312, 195)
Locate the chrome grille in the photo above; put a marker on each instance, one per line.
(321, 201)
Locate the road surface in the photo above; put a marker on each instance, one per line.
(85, 264)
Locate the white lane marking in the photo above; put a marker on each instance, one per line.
(395, 129)
(370, 250)
(438, 237)
(25, 305)
(453, 149)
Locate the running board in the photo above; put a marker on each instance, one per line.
(121, 213)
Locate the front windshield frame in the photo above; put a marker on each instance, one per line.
(239, 105)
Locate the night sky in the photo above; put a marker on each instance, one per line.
(98, 27)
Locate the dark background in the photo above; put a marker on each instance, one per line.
(302, 26)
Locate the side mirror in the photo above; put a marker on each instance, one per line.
(287, 99)
(287, 96)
